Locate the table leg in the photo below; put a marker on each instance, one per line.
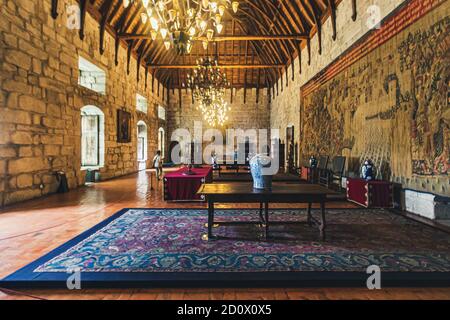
(261, 209)
(323, 222)
(309, 214)
(210, 219)
(266, 211)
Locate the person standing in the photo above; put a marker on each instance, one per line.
(157, 164)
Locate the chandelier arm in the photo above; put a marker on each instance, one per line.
(160, 16)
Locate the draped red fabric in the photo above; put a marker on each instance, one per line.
(181, 187)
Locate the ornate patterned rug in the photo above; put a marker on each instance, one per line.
(164, 247)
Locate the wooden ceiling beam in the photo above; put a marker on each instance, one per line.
(281, 37)
(54, 9)
(274, 30)
(105, 16)
(228, 66)
(332, 10)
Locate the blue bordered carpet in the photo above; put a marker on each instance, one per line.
(164, 247)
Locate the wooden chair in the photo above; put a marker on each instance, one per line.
(333, 175)
(315, 173)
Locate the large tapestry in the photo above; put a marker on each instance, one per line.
(426, 57)
(391, 106)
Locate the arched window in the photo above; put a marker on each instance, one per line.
(92, 138)
(142, 153)
(162, 141)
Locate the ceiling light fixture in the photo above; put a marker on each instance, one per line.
(184, 20)
(208, 85)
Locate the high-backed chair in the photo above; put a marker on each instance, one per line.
(322, 164)
(334, 174)
(315, 173)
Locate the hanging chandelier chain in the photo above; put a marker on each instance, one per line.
(208, 85)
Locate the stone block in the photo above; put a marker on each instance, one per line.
(52, 150)
(51, 84)
(22, 195)
(52, 139)
(33, 104)
(21, 137)
(12, 183)
(7, 152)
(24, 181)
(2, 167)
(16, 86)
(25, 151)
(18, 58)
(25, 165)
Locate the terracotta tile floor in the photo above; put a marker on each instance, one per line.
(31, 229)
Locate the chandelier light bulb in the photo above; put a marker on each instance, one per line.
(167, 44)
(144, 18)
(213, 6)
(210, 34)
(222, 10)
(182, 21)
(164, 33)
(235, 6)
(191, 12)
(189, 47)
(198, 22)
(203, 25)
(126, 3)
(153, 34)
(154, 23)
(192, 31)
(172, 14)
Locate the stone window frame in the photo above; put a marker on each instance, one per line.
(140, 99)
(91, 110)
(139, 136)
(162, 115)
(89, 69)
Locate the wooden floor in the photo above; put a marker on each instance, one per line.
(31, 229)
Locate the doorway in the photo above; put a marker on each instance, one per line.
(162, 142)
(142, 144)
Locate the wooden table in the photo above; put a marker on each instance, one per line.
(280, 193)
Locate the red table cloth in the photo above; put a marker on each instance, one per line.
(181, 187)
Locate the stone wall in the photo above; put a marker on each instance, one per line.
(248, 115)
(40, 100)
(386, 98)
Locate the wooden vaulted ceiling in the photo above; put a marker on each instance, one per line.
(255, 47)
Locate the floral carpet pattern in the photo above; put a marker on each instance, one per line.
(170, 240)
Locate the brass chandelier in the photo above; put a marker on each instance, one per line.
(208, 85)
(180, 22)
